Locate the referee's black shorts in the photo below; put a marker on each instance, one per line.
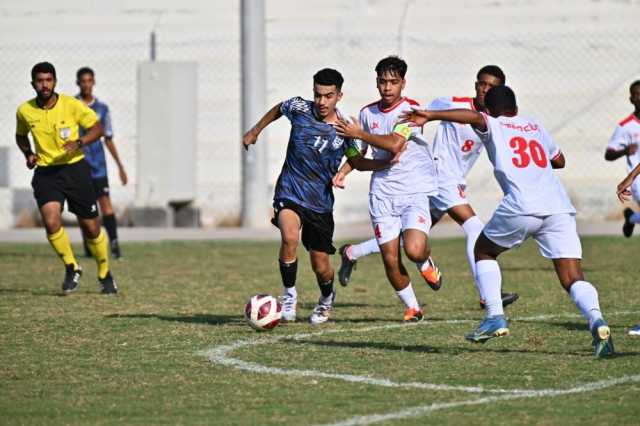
(69, 182)
(317, 228)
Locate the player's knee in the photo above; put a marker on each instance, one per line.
(417, 252)
(290, 240)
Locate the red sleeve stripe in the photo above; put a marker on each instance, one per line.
(557, 155)
(630, 118)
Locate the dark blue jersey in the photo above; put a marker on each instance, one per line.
(94, 152)
(313, 157)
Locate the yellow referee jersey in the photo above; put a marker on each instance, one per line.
(52, 128)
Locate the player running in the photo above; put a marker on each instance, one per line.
(303, 196)
(456, 148)
(61, 173)
(94, 154)
(625, 191)
(535, 204)
(624, 143)
(398, 196)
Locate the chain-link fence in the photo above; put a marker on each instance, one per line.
(570, 66)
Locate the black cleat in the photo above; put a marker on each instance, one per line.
(507, 299)
(115, 250)
(346, 266)
(627, 228)
(108, 285)
(71, 279)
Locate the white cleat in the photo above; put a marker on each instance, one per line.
(322, 312)
(289, 304)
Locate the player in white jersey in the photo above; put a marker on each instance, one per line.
(535, 204)
(399, 195)
(624, 143)
(625, 192)
(456, 148)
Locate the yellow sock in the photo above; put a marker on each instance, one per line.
(59, 240)
(100, 251)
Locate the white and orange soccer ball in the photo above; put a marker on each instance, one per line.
(263, 312)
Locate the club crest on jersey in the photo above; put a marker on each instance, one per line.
(64, 132)
(338, 141)
(375, 125)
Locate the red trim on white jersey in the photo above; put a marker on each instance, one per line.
(464, 99)
(630, 118)
(557, 155)
(392, 107)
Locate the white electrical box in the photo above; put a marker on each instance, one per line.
(167, 133)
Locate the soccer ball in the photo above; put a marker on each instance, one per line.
(263, 312)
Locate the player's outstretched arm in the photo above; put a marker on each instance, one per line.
(339, 179)
(25, 147)
(252, 134)
(114, 153)
(624, 194)
(420, 117)
(393, 143)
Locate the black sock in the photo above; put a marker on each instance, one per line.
(326, 288)
(288, 272)
(111, 226)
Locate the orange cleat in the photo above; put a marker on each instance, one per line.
(432, 276)
(413, 315)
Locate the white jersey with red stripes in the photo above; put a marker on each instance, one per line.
(416, 171)
(520, 150)
(627, 132)
(456, 147)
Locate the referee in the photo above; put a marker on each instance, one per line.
(61, 173)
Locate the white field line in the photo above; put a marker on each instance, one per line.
(220, 355)
(422, 410)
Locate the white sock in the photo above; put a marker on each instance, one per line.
(472, 228)
(489, 282)
(408, 297)
(356, 251)
(585, 296)
(423, 266)
(634, 218)
(291, 291)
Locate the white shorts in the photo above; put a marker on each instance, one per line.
(556, 235)
(448, 196)
(392, 215)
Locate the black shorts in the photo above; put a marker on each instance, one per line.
(317, 228)
(101, 186)
(70, 182)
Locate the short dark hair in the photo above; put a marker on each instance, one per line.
(500, 100)
(393, 65)
(43, 68)
(84, 70)
(328, 77)
(633, 85)
(493, 70)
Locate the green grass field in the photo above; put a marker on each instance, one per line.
(145, 356)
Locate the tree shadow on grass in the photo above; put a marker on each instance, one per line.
(570, 325)
(208, 319)
(339, 305)
(447, 350)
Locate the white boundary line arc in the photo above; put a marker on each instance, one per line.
(219, 355)
(421, 410)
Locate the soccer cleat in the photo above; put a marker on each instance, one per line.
(321, 312)
(490, 327)
(115, 250)
(108, 285)
(71, 279)
(432, 276)
(635, 331)
(413, 315)
(602, 341)
(346, 266)
(627, 228)
(289, 304)
(507, 299)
